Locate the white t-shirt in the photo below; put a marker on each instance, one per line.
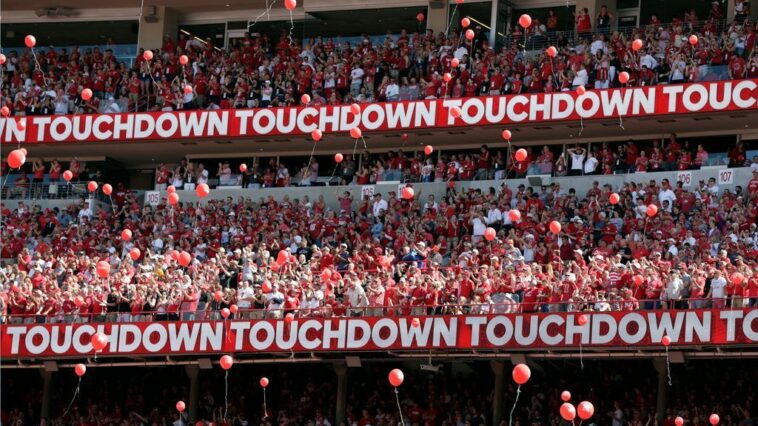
(378, 206)
(356, 75)
(590, 165)
(718, 288)
(667, 195)
(479, 226)
(245, 293)
(577, 160)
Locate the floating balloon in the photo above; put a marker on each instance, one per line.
(737, 278)
(173, 198)
(5, 111)
(99, 341)
(126, 235)
(20, 124)
(465, 22)
(289, 318)
(135, 253)
(147, 55)
(107, 189)
(2, 59)
(551, 51)
(234, 309)
(624, 77)
(263, 382)
(171, 189)
(666, 340)
(580, 90)
(581, 319)
(266, 287)
(555, 227)
(568, 412)
(202, 190)
(490, 234)
(455, 62)
(338, 158)
(404, 136)
(514, 215)
(521, 373)
(447, 77)
(30, 41)
(86, 94)
(420, 17)
(16, 159)
(470, 34)
(415, 322)
(585, 410)
(566, 396)
(693, 39)
(396, 377)
(525, 21)
(326, 275)
(225, 313)
(185, 258)
(678, 421)
(520, 154)
(638, 280)
(316, 135)
(305, 99)
(407, 193)
(183, 59)
(614, 198)
(507, 135)
(187, 89)
(92, 186)
(714, 419)
(355, 109)
(356, 133)
(455, 112)
(226, 362)
(103, 269)
(428, 150)
(290, 4)
(180, 406)
(636, 44)
(652, 210)
(243, 168)
(80, 369)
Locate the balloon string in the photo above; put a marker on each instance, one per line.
(265, 410)
(581, 359)
(355, 147)
(518, 392)
(621, 118)
(452, 16)
(226, 392)
(266, 12)
(76, 392)
(399, 408)
(292, 27)
(668, 367)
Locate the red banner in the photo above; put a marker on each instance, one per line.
(390, 116)
(511, 332)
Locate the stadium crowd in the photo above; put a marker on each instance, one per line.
(623, 393)
(386, 255)
(260, 72)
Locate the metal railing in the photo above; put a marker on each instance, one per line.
(42, 190)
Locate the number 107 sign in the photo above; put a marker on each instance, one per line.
(726, 177)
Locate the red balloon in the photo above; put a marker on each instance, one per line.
(266, 287)
(566, 396)
(92, 186)
(355, 109)
(404, 136)
(2, 59)
(173, 198)
(243, 168)
(420, 17)
(234, 309)
(316, 135)
(581, 319)
(396, 377)
(187, 89)
(470, 35)
(614, 198)
(525, 21)
(693, 39)
(568, 412)
(455, 112)
(639, 280)
(428, 150)
(490, 234)
(79, 301)
(581, 90)
(555, 227)
(356, 133)
(264, 382)
(637, 45)
(180, 406)
(306, 99)
(107, 189)
(521, 373)
(326, 274)
(678, 421)
(183, 60)
(652, 210)
(147, 55)
(465, 22)
(714, 419)
(666, 340)
(16, 159)
(290, 4)
(407, 193)
(514, 215)
(289, 318)
(5, 111)
(551, 51)
(338, 158)
(281, 257)
(225, 313)
(226, 362)
(126, 235)
(624, 77)
(520, 154)
(30, 41)
(455, 62)
(585, 410)
(20, 124)
(86, 94)
(80, 369)
(135, 253)
(447, 77)
(185, 258)
(737, 278)
(202, 190)
(415, 322)
(103, 269)
(171, 189)
(99, 341)
(507, 135)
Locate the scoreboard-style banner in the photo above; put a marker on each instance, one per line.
(705, 97)
(508, 331)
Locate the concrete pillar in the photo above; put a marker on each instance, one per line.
(157, 22)
(436, 18)
(493, 23)
(339, 414)
(663, 388)
(193, 373)
(498, 369)
(47, 392)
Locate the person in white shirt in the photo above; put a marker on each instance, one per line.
(379, 205)
(431, 204)
(598, 45)
(202, 174)
(494, 216)
(648, 61)
(581, 77)
(667, 194)
(274, 301)
(717, 293)
(356, 79)
(245, 296)
(590, 166)
(393, 91)
(356, 297)
(577, 160)
(478, 226)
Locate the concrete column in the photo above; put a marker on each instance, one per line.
(154, 26)
(47, 392)
(493, 23)
(498, 369)
(663, 388)
(437, 19)
(193, 372)
(339, 414)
